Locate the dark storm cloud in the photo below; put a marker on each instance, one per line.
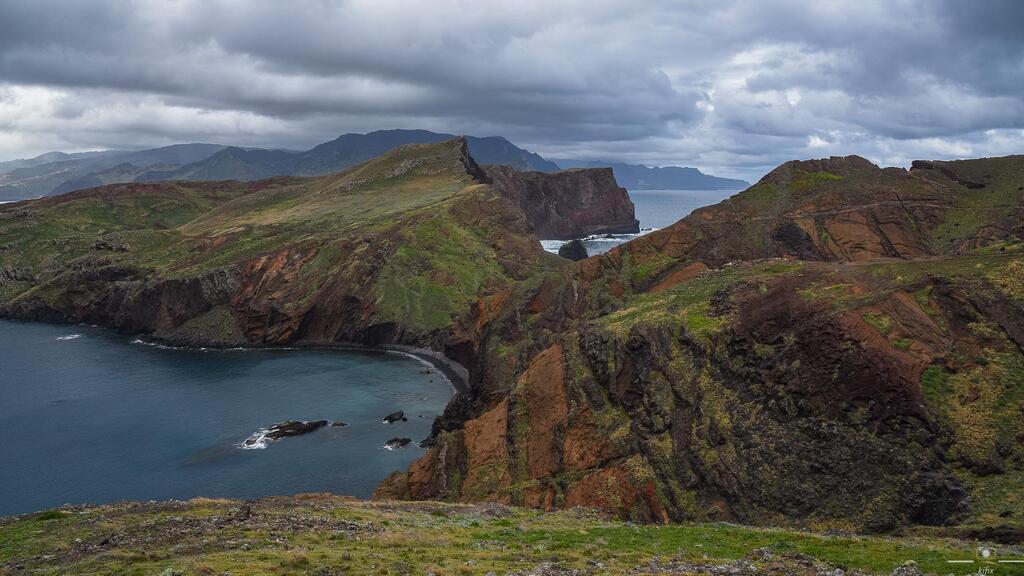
(733, 87)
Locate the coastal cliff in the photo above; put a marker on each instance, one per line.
(388, 252)
(840, 345)
(392, 251)
(568, 204)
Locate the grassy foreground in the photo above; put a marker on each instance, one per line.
(325, 535)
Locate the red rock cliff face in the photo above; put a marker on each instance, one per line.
(761, 360)
(568, 204)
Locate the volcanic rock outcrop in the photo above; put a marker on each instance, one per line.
(818, 349)
(574, 250)
(838, 346)
(568, 204)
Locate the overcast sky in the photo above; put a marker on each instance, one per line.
(731, 87)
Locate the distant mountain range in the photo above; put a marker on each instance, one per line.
(58, 172)
(343, 152)
(640, 177)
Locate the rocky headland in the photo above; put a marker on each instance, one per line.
(838, 347)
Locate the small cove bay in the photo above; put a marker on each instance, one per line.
(88, 416)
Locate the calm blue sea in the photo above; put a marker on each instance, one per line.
(88, 416)
(654, 209)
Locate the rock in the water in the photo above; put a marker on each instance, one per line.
(394, 417)
(573, 250)
(396, 443)
(294, 428)
(338, 424)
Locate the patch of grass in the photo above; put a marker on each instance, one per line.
(690, 301)
(878, 321)
(1009, 279)
(436, 273)
(811, 179)
(982, 406)
(969, 267)
(997, 499)
(50, 515)
(831, 292)
(902, 343)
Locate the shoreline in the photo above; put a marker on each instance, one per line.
(456, 374)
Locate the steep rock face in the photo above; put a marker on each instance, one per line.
(568, 204)
(732, 367)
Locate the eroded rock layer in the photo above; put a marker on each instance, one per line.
(840, 345)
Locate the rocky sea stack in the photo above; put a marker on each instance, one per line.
(573, 250)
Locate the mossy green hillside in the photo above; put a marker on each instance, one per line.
(413, 234)
(316, 534)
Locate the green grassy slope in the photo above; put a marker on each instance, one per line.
(411, 239)
(318, 534)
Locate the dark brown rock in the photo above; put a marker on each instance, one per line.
(568, 204)
(394, 417)
(396, 443)
(294, 428)
(573, 250)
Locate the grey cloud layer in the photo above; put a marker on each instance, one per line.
(731, 86)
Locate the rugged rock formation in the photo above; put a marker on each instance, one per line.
(573, 250)
(391, 251)
(839, 346)
(396, 443)
(568, 204)
(394, 417)
(817, 350)
(294, 428)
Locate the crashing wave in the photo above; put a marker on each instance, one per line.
(69, 337)
(258, 441)
(596, 243)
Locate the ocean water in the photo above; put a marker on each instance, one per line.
(654, 209)
(86, 415)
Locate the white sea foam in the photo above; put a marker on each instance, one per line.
(201, 349)
(258, 441)
(153, 344)
(69, 337)
(597, 243)
(396, 447)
